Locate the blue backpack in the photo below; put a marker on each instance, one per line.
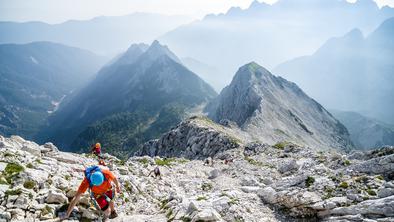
(89, 171)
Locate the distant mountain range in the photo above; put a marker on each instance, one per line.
(274, 110)
(352, 72)
(366, 133)
(142, 94)
(34, 78)
(103, 35)
(270, 34)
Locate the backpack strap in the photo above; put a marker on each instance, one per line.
(89, 171)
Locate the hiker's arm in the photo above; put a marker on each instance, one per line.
(117, 185)
(73, 202)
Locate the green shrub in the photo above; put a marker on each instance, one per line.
(163, 204)
(13, 168)
(363, 179)
(185, 219)
(200, 198)
(235, 141)
(280, 145)
(46, 210)
(233, 201)
(380, 177)
(309, 181)
(3, 180)
(371, 192)
(182, 160)
(29, 184)
(344, 185)
(347, 162)
(144, 161)
(169, 215)
(29, 165)
(253, 161)
(164, 162)
(8, 154)
(206, 186)
(128, 187)
(13, 192)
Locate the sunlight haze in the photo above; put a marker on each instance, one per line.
(62, 10)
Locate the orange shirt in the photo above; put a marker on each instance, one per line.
(105, 186)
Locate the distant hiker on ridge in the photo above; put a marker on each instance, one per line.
(156, 172)
(99, 181)
(96, 149)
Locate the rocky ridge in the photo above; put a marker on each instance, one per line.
(259, 182)
(272, 109)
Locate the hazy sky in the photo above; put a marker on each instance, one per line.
(56, 11)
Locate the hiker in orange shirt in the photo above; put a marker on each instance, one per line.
(99, 181)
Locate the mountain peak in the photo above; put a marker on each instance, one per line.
(355, 34)
(132, 54)
(157, 50)
(272, 109)
(137, 46)
(251, 71)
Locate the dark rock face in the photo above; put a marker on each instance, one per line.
(273, 109)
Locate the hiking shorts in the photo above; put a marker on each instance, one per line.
(104, 200)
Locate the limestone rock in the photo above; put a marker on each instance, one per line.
(56, 197)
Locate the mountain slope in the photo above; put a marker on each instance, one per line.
(104, 34)
(273, 109)
(39, 181)
(355, 72)
(270, 34)
(148, 88)
(365, 132)
(34, 78)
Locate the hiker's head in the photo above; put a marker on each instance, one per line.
(98, 145)
(97, 178)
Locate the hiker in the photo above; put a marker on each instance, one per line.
(208, 161)
(96, 149)
(101, 162)
(228, 161)
(99, 182)
(156, 172)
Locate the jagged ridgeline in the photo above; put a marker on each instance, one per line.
(140, 95)
(272, 109)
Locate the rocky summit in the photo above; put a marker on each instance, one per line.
(239, 181)
(272, 109)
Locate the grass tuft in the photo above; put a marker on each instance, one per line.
(29, 184)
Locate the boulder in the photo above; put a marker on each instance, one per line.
(385, 192)
(213, 174)
(249, 181)
(56, 197)
(221, 204)
(268, 195)
(5, 215)
(50, 147)
(32, 148)
(17, 214)
(383, 207)
(288, 166)
(207, 215)
(250, 189)
(22, 202)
